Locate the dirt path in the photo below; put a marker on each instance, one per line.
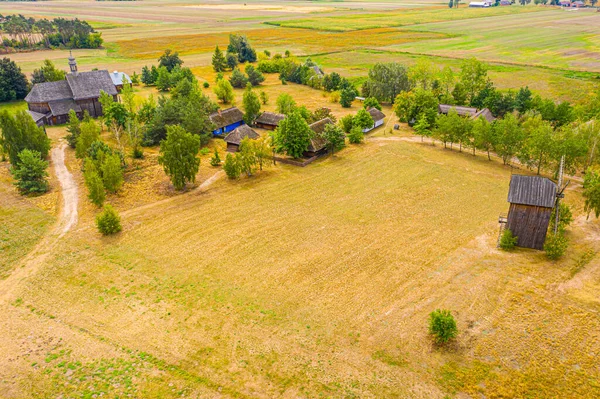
(67, 219)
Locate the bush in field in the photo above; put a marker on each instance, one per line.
(264, 98)
(508, 241)
(371, 102)
(231, 167)
(30, 173)
(89, 133)
(356, 135)
(238, 79)
(108, 221)
(346, 123)
(215, 160)
(555, 246)
(363, 119)
(442, 326)
(224, 91)
(565, 217)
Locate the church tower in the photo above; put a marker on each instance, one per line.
(72, 63)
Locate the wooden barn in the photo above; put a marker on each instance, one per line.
(234, 138)
(226, 120)
(79, 92)
(317, 146)
(269, 120)
(532, 199)
(120, 79)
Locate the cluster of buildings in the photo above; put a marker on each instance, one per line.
(229, 124)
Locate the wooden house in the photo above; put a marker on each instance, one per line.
(460, 110)
(531, 199)
(378, 118)
(226, 120)
(79, 92)
(39, 119)
(505, 2)
(120, 79)
(484, 113)
(234, 138)
(317, 145)
(269, 120)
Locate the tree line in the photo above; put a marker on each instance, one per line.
(22, 33)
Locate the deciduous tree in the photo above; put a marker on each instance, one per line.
(179, 156)
(30, 173)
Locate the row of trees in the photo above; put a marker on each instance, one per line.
(19, 32)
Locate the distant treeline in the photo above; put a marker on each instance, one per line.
(21, 33)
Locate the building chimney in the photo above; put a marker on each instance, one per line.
(72, 63)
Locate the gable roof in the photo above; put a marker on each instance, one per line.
(36, 116)
(63, 107)
(119, 78)
(240, 133)
(485, 113)
(462, 111)
(376, 114)
(49, 91)
(86, 85)
(270, 118)
(226, 117)
(317, 142)
(532, 190)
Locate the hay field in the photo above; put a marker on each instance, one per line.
(308, 282)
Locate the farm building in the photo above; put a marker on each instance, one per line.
(317, 145)
(473, 113)
(484, 113)
(531, 199)
(119, 79)
(578, 4)
(269, 120)
(226, 120)
(39, 119)
(480, 4)
(378, 118)
(462, 111)
(565, 3)
(234, 138)
(505, 2)
(80, 92)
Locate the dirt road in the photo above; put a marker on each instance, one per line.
(67, 219)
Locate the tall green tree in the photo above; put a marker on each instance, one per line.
(219, 62)
(93, 182)
(251, 104)
(334, 137)
(484, 136)
(224, 91)
(13, 83)
(292, 136)
(255, 77)
(285, 104)
(112, 172)
(20, 133)
(473, 77)
(238, 79)
(73, 129)
(386, 81)
(90, 132)
(538, 143)
(47, 73)
(363, 119)
(510, 137)
(591, 191)
(169, 59)
(30, 173)
(179, 156)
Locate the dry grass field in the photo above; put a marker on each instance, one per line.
(312, 282)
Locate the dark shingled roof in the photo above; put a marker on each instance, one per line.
(270, 118)
(485, 113)
(240, 133)
(89, 84)
(317, 143)
(36, 116)
(226, 117)
(49, 91)
(462, 111)
(63, 107)
(532, 190)
(376, 114)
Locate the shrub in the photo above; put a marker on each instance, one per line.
(555, 246)
(137, 153)
(205, 85)
(204, 151)
(346, 123)
(215, 160)
(108, 221)
(356, 135)
(442, 326)
(565, 217)
(508, 241)
(231, 167)
(30, 173)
